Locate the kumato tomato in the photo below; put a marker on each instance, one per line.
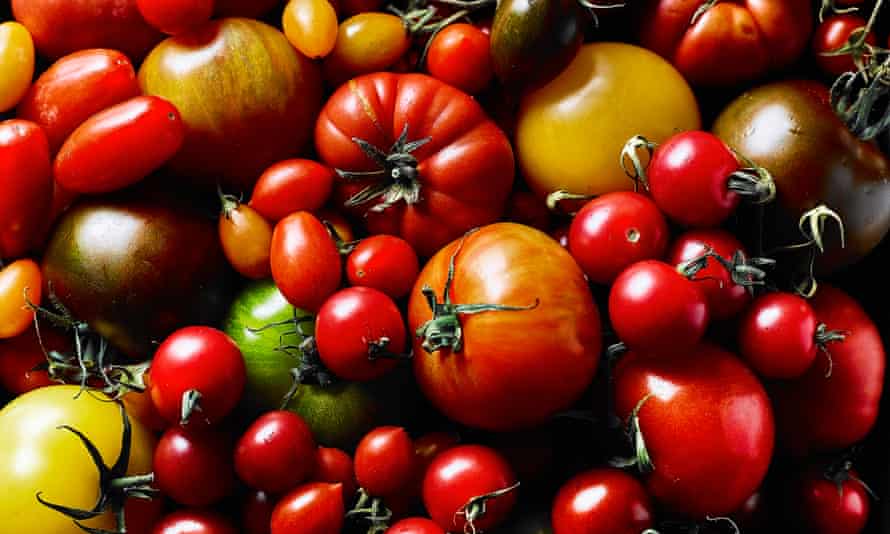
(16, 64)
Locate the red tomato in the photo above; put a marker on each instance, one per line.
(141, 407)
(334, 465)
(26, 182)
(246, 239)
(109, 151)
(338, 223)
(707, 425)
(825, 506)
(832, 34)
(383, 262)
(256, 513)
(825, 413)
(428, 446)
(426, 191)
(614, 231)
(21, 354)
(197, 359)
(459, 56)
(527, 208)
(385, 462)
(729, 43)
(194, 466)
(602, 501)
(194, 522)
(290, 186)
(415, 525)
(305, 261)
(276, 453)
(314, 508)
(460, 479)
(175, 16)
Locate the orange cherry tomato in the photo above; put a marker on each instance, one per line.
(246, 239)
(311, 26)
(20, 280)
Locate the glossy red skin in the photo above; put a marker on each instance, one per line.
(348, 322)
(708, 427)
(430, 445)
(602, 501)
(466, 170)
(385, 263)
(142, 515)
(109, 151)
(815, 413)
(459, 474)
(777, 335)
(21, 354)
(824, 509)
(256, 513)
(26, 182)
(732, 42)
(194, 522)
(833, 33)
(305, 261)
(334, 465)
(60, 27)
(688, 179)
(725, 298)
(415, 525)
(290, 186)
(276, 453)
(656, 310)
(201, 358)
(614, 231)
(194, 466)
(385, 462)
(175, 16)
(459, 56)
(527, 208)
(314, 508)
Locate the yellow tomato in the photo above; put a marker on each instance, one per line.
(367, 42)
(311, 26)
(16, 63)
(37, 456)
(570, 132)
(17, 280)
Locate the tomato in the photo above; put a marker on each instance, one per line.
(246, 239)
(314, 508)
(26, 182)
(707, 424)
(428, 446)
(427, 192)
(366, 42)
(291, 186)
(458, 55)
(809, 408)
(59, 467)
(827, 506)
(615, 230)
(21, 354)
(832, 34)
(335, 466)
(140, 406)
(16, 63)
(385, 462)
(602, 501)
(526, 208)
(311, 26)
(385, 263)
(194, 466)
(194, 522)
(247, 98)
(306, 264)
(730, 42)
(256, 513)
(198, 371)
(175, 16)
(276, 453)
(20, 283)
(109, 152)
(338, 223)
(415, 525)
(460, 480)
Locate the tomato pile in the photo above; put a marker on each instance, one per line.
(429, 266)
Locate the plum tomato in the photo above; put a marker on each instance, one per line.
(310, 26)
(175, 16)
(276, 453)
(385, 461)
(246, 239)
(21, 285)
(314, 508)
(602, 501)
(385, 263)
(459, 56)
(290, 186)
(193, 466)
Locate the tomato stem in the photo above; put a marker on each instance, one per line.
(702, 9)
(343, 247)
(554, 198)
(641, 459)
(191, 402)
(735, 527)
(372, 510)
(831, 7)
(229, 202)
(477, 507)
(631, 153)
(822, 338)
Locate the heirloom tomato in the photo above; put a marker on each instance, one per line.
(16, 63)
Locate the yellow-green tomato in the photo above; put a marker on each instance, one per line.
(570, 132)
(16, 63)
(367, 42)
(311, 26)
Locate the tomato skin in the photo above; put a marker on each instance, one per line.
(193, 466)
(623, 507)
(777, 335)
(305, 261)
(276, 453)
(833, 33)
(415, 525)
(385, 461)
(20, 282)
(459, 56)
(314, 508)
(256, 513)
(335, 466)
(385, 263)
(615, 230)
(428, 446)
(194, 522)
(290, 186)
(16, 63)
(21, 354)
(366, 42)
(824, 507)
(109, 152)
(311, 26)
(708, 427)
(26, 182)
(175, 16)
(246, 239)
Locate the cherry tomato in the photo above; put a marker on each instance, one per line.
(197, 359)
(826, 506)
(461, 475)
(305, 261)
(385, 263)
(194, 466)
(276, 453)
(334, 465)
(21, 354)
(526, 208)
(246, 239)
(385, 462)
(367, 42)
(415, 525)
(194, 522)
(428, 446)
(602, 501)
(459, 56)
(290, 186)
(16, 63)
(654, 309)
(256, 513)
(141, 407)
(614, 231)
(20, 282)
(832, 34)
(311, 26)
(314, 508)
(175, 16)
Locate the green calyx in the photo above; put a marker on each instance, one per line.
(477, 507)
(372, 511)
(641, 459)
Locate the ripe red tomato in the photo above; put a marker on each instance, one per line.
(602, 501)
(430, 445)
(527, 208)
(383, 262)
(427, 190)
(614, 231)
(314, 508)
(194, 466)
(276, 453)
(197, 359)
(707, 425)
(415, 525)
(194, 522)
(459, 56)
(290, 186)
(334, 465)
(385, 461)
(175, 16)
(305, 261)
(832, 34)
(256, 513)
(458, 478)
(359, 332)
(21, 354)
(826, 506)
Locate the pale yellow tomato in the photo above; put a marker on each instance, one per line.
(311, 26)
(16, 63)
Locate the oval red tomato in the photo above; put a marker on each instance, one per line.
(26, 182)
(385, 461)
(314, 508)
(290, 186)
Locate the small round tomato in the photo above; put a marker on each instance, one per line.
(614, 231)
(602, 501)
(460, 480)
(458, 55)
(367, 42)
(385, 462)
(428, 446)
(314, 508)
(385, 263)
(335, 466)
(832, 34)
(305, 261)
(528, 209)
(837, 505)
(290, 186)
(256, 512)
(16, 64)
(20, 355)
(194, 466)
(276, 453)
(415, 525)
(194, 522)
(20, 283)
(175, 16)
(311, 26)
(246, 239)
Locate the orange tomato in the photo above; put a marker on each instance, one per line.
(20, 280)
(246, 239)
